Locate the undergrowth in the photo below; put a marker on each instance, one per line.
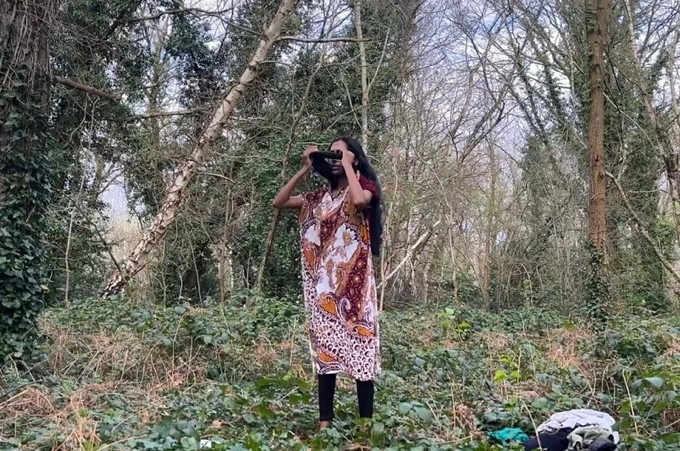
(118, 376)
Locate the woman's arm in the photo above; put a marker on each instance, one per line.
(360, 197)
(285, 199)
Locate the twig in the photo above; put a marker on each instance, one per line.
(197, 12)
(630, 399)
(380, 61)
(220, 176)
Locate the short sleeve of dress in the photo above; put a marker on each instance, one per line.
(369, 185)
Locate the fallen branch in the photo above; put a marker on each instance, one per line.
(87, 89)
(666, 264)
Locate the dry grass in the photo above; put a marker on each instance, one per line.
(673, 348)
(119, 356)
(563, 349)
(494, 341)
(464, 418)
(71, 416)
(124, 368)
(671, 420)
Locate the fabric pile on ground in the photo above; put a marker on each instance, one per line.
(508, 435)
(575, 430)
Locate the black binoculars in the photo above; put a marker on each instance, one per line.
(329, 155)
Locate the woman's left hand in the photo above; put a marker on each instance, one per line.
(347, 158)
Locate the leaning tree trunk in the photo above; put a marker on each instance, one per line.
(25, 84)
(597, 31)
(175, 194)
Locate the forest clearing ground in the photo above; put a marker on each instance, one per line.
(119, 376)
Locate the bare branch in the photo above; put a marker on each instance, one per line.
(409, 253)
(155, 114)
(666, 264)
(321, 40)
(87, 89)
(197, 12)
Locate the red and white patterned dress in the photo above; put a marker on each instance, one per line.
(339, 283)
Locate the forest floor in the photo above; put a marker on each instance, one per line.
(117, 376)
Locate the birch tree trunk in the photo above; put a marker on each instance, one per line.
(175, 194)
(597, 31)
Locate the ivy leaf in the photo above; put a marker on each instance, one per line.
(377, 429)
(405, 407)
(423, 413)
(655, 381)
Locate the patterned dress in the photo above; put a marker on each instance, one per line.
(339, 285)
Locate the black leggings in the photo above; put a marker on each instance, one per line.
(365, 393)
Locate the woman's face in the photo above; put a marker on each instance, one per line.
(336, 165)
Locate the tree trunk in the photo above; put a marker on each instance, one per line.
(490, 238)
(175, 194)
(597, 32)
(364, 74)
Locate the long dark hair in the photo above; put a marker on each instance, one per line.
(323, 168)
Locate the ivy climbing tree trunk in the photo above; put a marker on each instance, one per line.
(25, 84)
(185, 173)
(598, 10)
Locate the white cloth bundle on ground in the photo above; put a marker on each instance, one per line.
(573, 419)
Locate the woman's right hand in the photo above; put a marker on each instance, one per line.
(307, 157)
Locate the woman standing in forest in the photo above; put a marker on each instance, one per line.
(340, 229)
